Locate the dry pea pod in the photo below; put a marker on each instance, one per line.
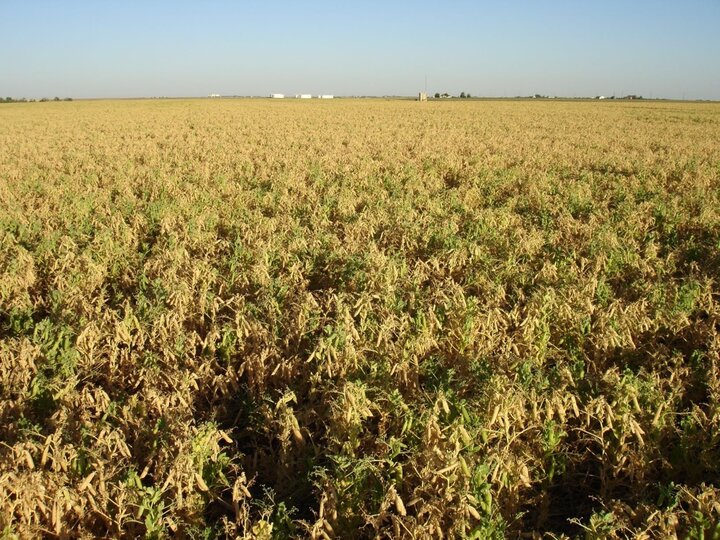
(240, 489)
(201, 483)
(400, 506)
(473, 512)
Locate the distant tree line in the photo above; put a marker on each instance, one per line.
(445, 95)
(24, 100)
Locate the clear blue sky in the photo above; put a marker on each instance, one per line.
(106, 48)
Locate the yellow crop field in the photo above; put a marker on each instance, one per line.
(359, 318)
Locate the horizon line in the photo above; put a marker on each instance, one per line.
(444, 97)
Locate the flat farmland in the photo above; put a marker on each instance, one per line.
(359, 319)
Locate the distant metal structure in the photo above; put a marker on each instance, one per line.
(277, 96)
(422, 96)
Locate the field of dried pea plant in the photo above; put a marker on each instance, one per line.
(356, 319)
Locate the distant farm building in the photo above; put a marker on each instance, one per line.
(214, 95)
(326, 96)
(305, 96)
(277, 96)
(422, 96)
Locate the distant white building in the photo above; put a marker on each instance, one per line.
(214, 95)
(305, 96)
(326, 96)
(277, 96)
